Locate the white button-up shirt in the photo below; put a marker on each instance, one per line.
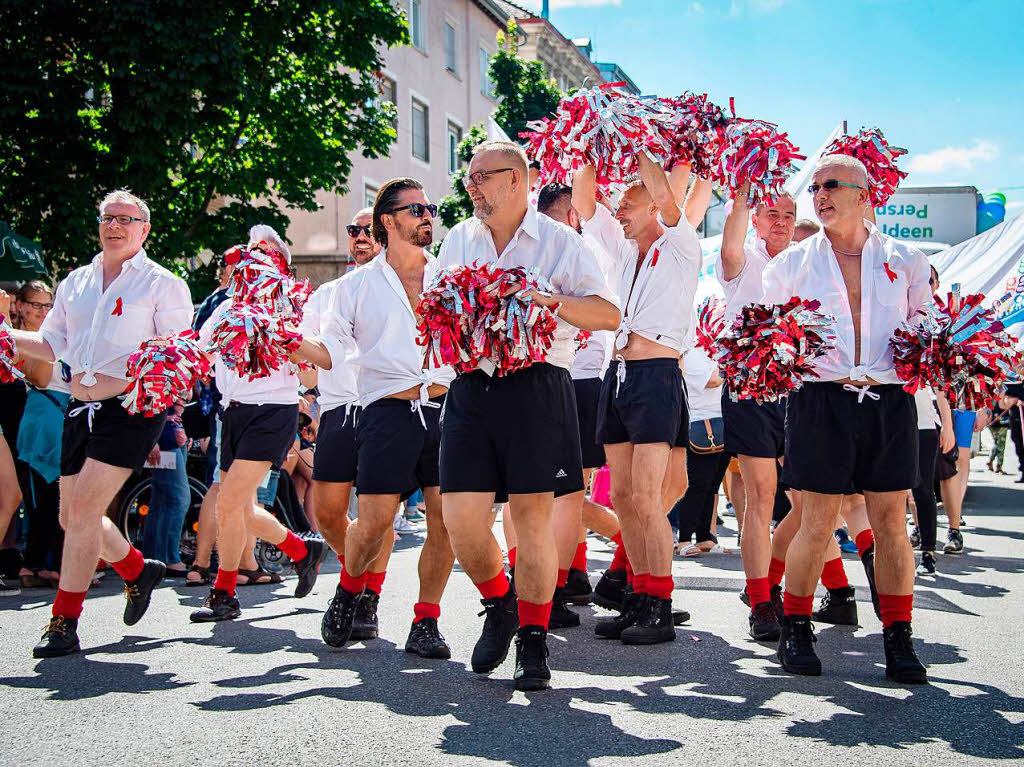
(95, 330)
(281, 387)
(810, 270)
(370, 310)
(541, 243)
(658, 305)
(337, 386)
(745, 288)
(592, 359)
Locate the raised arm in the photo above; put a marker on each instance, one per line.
(697, 201)
(584, 192)
(733, 234)
(660, 189)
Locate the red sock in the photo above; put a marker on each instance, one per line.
(293, 547)
(131, 566)
(619, 559)
(895, 608)
(512, 557)
(833, 576)
(533, 614)
(353, 584)
(68, 604)
(227, 580)
(426, 610)
(375, 581)
(865, 540)
(579, 562)
(631, 576)
(660, 586)
(495, 588)
(563, 578)
(641, 583)
(794, 605)
(776, 570)
(759, 590)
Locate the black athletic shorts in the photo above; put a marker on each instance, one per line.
(643, 408)
(397, 453)
(106, 432)
(835, 443)
(588, 394)
(758, 431)
(334, 459)
(683, 436)
(257, 433)
(516, 434)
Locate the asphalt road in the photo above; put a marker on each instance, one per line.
(265, 690)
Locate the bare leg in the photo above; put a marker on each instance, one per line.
(759, 483)
(537, 559)
(234, 508)
(436, 556)
(468, 522)
(620, 464)
(568, 513)
(10, 492)
(332, 512)
(806, 554)
(739, 499)
(368, 535)
(894, 559)
(206, 535)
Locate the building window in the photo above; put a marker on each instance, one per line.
(369, 195)
(486, 84)
(454, 137)
(417, 33)
(388, 90)
(420, 131)
(450, 48)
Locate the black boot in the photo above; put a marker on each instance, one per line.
(561, 616)
(578, 590)
(901, 663)
(59, 638)
(138, 592)
(796, 646)
(364, 624)
(838, 607)
(500, 624)
(426, 641)
(610, 591)
(532, 671)
(336, 625)
(653, 624)
(612, 628)
(219, 606)
(764, 623)
(308, 567)
(868, 560)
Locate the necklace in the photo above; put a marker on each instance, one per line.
(844, 253)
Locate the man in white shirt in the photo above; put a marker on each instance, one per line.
(755, 433)
(641, 416)
(398, 435)
(259, 422)
(103, 312)
(506, 436)
(853, 427)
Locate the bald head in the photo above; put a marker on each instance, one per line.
(497, 180)
(362, 247)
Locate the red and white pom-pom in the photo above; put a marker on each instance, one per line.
(699, 129)
(163, 371)
(8, 351)
(959, 348)
(755, 152)
(710, 324)
(770, 348)
(582, 340)
(870, 147)
(252, 342)
(263, 278)
(468, 321)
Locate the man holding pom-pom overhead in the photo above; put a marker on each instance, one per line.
(854, 428)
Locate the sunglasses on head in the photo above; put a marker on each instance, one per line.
(831, 185)
(417, 209)
(354, 230)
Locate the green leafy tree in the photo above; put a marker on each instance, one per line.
(524, 92)
(220, 115)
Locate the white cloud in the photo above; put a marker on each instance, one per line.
(954, 157)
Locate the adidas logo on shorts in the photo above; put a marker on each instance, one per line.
(561, 474)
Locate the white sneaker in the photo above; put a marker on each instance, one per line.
(730, 510)
(403, 526)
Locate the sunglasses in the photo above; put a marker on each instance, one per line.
(354, 230)
(417, 209)
(831, 185)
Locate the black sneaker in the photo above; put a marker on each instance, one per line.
(59, 638)
(868, 560)
(915, 537)
(776, 597)
(337, 623)
(561, 616)
(679, 617)
(901, 663)
(138, 592)
(532, 672)
(796, 646)
(364, 624)
(610, 591)
(954, 542)
(426, 641)
(653, 624)
(927, 566)
(8, 590)
(764, 623)
(612, 628)
(838, 607)
(499, 627)
(578, 590)
(219, 606)
(308, 567)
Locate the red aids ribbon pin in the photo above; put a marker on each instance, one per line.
(889, 272)
(118, 308)
(654, 259)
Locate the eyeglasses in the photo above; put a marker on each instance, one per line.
(417, 209)
(354, 230)
(476, 179)
(831, 185)
(122, 220)
(38, 305)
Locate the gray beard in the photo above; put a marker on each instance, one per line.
(483, 211)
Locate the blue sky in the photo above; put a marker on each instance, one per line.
(944, 79)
